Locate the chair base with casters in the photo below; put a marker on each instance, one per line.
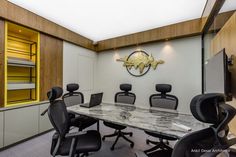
(160, 145)
(118, 133)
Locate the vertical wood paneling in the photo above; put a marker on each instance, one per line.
(2, 36)
(2, 71)
(51, 64)
(226, 38)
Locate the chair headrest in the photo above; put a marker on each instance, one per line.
(72, 87)
(163, 88)
(205, 107)
(54, 93)
(126, 87)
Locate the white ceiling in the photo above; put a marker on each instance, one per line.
(228, 5)
(103, 19)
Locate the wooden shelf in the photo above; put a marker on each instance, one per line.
(20, 86)
(21, 40)
(25, 101)
(20, 62)
(22, 52)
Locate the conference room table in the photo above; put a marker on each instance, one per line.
(157, 120)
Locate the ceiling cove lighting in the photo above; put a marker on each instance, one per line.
(103, 19)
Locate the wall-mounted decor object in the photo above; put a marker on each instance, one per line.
(139, 62)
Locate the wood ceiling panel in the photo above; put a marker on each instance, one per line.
(183, 29)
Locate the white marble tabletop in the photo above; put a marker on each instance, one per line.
(154, 119)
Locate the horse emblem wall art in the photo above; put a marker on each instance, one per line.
(140, 61)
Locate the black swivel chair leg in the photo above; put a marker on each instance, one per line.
(112, 135)
(155, 142)
(152, 149)
(119, 134)
(158, 145)
(131, 142)
(117, 138)
(165, 147)
(98, 126)
(152, 142)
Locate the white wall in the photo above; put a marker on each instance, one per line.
(182, 69)
(79, 67)
(101, 72)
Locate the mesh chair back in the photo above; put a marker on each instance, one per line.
(213, 139)
(192, 144)
(164, 101)
(58, 116)
(74, 98)
(125, 97)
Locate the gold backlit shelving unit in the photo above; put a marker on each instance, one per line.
(22, 65)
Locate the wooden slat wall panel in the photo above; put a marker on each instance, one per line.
(183, 29)
(2, 36)
(24, 17)
(51, 64)
(226, 38)
(2, 71)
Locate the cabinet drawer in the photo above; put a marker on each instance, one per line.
(1, 129)
(20, 124)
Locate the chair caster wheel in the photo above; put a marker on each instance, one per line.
(112, 148)
(103, 138)
(132, 145)
(131, 134)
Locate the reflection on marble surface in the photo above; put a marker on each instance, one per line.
(153, 119)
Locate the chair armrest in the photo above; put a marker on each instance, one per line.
(75, 134)
(140, 154)
(44, 112)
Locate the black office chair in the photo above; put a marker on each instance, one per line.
(74, 98)
(63, 142)
(209, 142)
(121, 97)
(207, 108)
(166, 101)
